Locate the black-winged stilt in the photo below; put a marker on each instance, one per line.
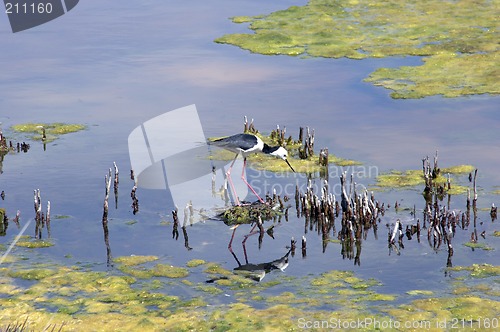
(247, 144)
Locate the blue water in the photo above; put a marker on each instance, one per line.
(114, 65)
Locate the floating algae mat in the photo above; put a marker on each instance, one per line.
(412, 178)
(52, 130)
(458, 39)
(75, 298)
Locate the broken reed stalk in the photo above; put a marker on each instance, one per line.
(249, 127)
(188, 216)
(493, 212)
(116, 181)
(16, 219)
(135, 201)
(38, 213)
(304, 246)
(475, 189)
(323, 157)
(175, 227)
(307, 150)
(47, 219)
(107, 183)
(293, 246)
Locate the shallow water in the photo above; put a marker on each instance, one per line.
(113, 66)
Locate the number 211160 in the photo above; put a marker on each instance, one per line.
(24, 8)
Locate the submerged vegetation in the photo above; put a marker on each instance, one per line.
(461, 49)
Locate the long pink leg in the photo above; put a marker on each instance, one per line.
(230, 245)
(248, 184)
(228, 175)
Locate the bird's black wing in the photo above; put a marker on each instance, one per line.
(236, 142)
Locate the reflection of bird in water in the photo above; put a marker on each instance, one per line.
(254, 271)
(247, 144)
(257, 272)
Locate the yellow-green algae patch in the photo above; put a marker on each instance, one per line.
(27, 241)
(170, 271)
(479, 270)
(195, 262)
(478, 245)
(52, 130)
(397, 179)
(459, 169)
(461, 49)
(101, 301)
(135, 260)
(412, 178)
(31, 274)
(134, 266)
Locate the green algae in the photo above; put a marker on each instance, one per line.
(209, 289)
(412, 178)
(32, 243)
(458, 169)
(134, 260)
(496, 233)
(479, 270)
(31, 274)
(216, 269)
(246, 214)
(52, 130)
(460, 49)
(195, 262)
(343, 161)
(398, 179)
(478, 245)
(449, 74)
(241, 19)
(134, 266)
(169, 271)
(102, 301)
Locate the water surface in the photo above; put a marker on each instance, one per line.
(114, 65)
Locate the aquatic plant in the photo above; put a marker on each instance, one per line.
(432, 177)
(460, 49)
(47, 132)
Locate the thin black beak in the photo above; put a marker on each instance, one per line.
(289, 165)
